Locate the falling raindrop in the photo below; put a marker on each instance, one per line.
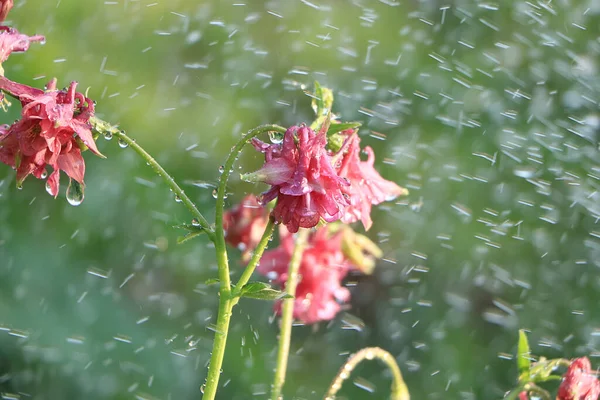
(75, 194)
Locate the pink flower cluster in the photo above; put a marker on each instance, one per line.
(55, 124)
(312, 183)
(244, 225)
(579, 382)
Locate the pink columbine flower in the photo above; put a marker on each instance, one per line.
(579, 382)
(322, 268)
(53, 128)
(302, 179)
(366, 187)
(245, 224)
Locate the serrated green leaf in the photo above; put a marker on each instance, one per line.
(523, 356)
(335, 128)
(212, 281)
(262, 291)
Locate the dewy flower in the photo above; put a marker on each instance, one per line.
(322, 268)
(579, 382)
(302, 179)
(53, 128)
(245, 224)
(366, 187)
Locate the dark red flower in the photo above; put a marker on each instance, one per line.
(244, 225)
(579, 382)
(367, 187)
(53, 128)
(5, 6)
(302, 179)
(322, 268)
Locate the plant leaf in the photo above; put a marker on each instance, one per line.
(335, 128)
(212, 281)
(262, 291)
(523, 356)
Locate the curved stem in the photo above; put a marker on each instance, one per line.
(219, 234)
(226, 301)
(105, 128)
(399, 389)
(256, 256)
(287, 315)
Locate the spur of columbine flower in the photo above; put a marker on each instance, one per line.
(366, 187)
(302, 179)
(53, 130)
(244, 225)
(325, 263)
(579, 382)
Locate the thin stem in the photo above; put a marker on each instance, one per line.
(105, 128)
(226, 301)
(219, 234)
(218, 350)
(287, 314)
(256, 256)
(399, 388)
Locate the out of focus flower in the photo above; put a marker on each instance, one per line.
(322, 268)
(5, 6)
(53, 129)
(244, 225)
(11, 41)
(302, 179)
(579, 382)
(367, 187)
(523, 396)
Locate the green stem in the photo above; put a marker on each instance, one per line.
(399, 388)
(256, 256)
(226, 300)
(287, 314)
(105, 128)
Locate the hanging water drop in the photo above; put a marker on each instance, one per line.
(195, 222)
(221, 169)
(49, 188)
(75, 194)
(178, 199)
(215, 194)
(108, 135)
(276, 137)
(44, 174)
(122, 143)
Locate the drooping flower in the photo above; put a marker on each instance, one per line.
(366, 187)
(53, 129)
(5, 6)
(579, 382)
(322, 268)
(244, 225)
(302, 179)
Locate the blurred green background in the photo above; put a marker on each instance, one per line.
(487, 112)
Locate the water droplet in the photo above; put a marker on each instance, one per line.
(202, 388)
(44, 174)
(195, 222)
(48, 188)
(215, 193)
(221, 169)
(276, 137)
(108, 135)
(122, 143)
(178, 199)
(75, 194)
